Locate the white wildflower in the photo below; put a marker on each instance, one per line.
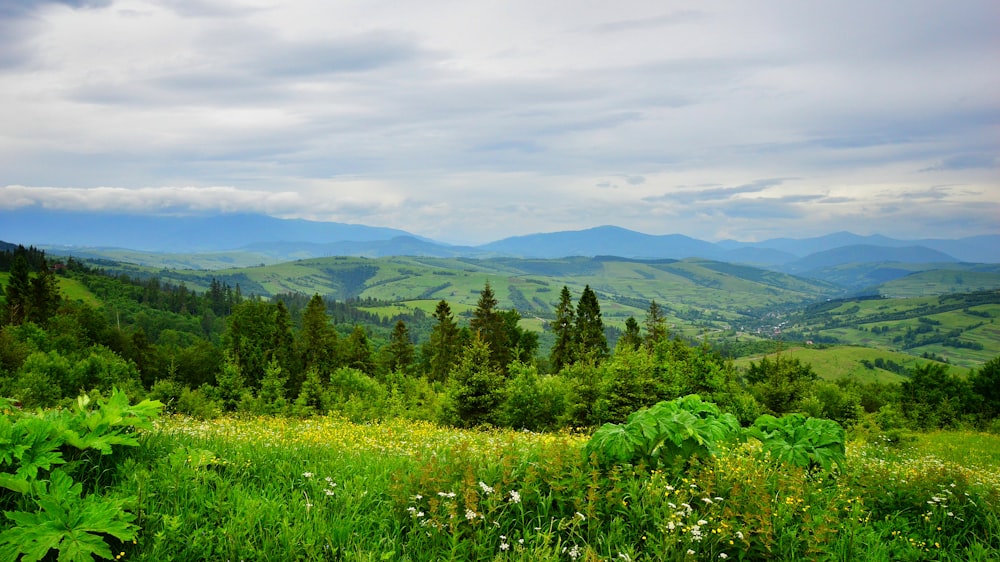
(486, 488)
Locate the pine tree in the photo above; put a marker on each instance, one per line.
(591, 342)
(564, 328)
(489, 324)
(656, 325)
(442, 349)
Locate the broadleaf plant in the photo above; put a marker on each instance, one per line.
(665, 436)
(802, 441)
(73, 525)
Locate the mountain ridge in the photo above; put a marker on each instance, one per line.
(266, 238)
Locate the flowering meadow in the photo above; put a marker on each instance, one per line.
(324, 488)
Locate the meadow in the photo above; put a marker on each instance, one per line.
(327, 489)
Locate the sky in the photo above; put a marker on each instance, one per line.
(470, 121)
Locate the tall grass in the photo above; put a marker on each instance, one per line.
(328, 489)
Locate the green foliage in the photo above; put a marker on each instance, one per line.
(665, 436)
(72, 524)
(780, 384)
(33, 444)
(801, 441)
(476, 386)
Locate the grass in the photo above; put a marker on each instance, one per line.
(327, 489)
(70, 289)
(839, 361)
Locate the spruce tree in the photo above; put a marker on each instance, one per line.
(488, 322)
(399, 349)
(358, 353)
(656, 325)
(318, 340)
(18, 289)
(631, 339)
(442, 349)
(476, 386)
(44, 295)
(591, 342)
(564, 328)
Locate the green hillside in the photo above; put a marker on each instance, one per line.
(838, 361)
(941, 282)
(696, 294)
(960, 328)
(71, 289)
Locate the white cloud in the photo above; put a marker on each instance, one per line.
(475, 121)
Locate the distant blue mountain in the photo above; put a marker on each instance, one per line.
(175, 233)
(293, 238)
(864, 253)
(603, 240)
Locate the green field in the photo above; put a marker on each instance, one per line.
(839, 361)
(962, 329)
(327, 489)
(71, 289)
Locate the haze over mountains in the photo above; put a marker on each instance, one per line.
(271, 239)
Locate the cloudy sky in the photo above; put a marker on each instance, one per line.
(469, 121)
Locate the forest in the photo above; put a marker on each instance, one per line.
(145, 420)
(219, 351)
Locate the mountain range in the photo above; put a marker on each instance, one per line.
(264, 239)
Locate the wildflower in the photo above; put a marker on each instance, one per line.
(485, 488)
(307, 474)
(469, 514)
(504, 546)
(690, 552)
(448, 495)
(574, 552)
(723, 555)
(707, 500)
(702, 522)
(329, 492)
(515, 497)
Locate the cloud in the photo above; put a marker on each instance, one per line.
(654, 22)
(717, 193)
(435, 114)
(966, 162)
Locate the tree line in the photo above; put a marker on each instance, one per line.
(207, 353)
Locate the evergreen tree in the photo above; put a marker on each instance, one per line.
(488, 322)
(476, 386)
(358, 353)
(283, 346)
(564, 328)
(248, 339)
(18, 289)
(631, 339)
(442, 349)
(399, 349)
(318, 341)
(656, 325)
(591, 342)
(44, 295)
(522, 343)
